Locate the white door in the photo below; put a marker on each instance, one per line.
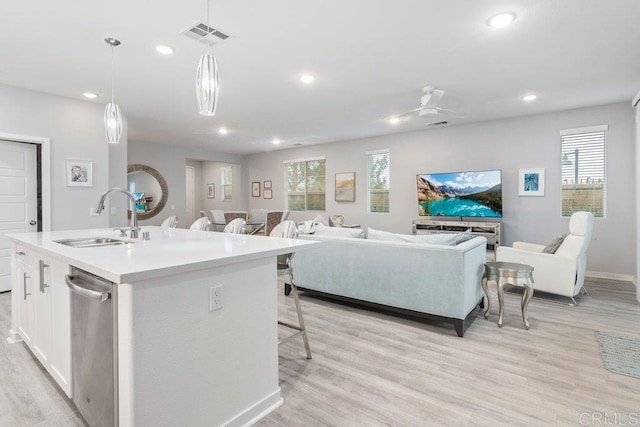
(18, 199)
(190, 194)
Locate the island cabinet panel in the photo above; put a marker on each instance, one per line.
(43, 311)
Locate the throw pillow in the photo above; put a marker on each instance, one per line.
(434, 239)
(463, 237)
(357, 233)
(320, 219)
(552, 247)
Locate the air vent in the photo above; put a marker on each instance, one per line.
(203, 33)
(438, 123)
(297, 144)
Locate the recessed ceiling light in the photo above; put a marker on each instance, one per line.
(223, 131)
(501, 20)
(307, 78)
(90, 95)
(394, 120)
(165, 50)
(275, 141)
(529, 98)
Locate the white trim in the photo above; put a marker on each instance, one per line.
(385, 150)
(306, 159)
(611, 276)
(636, 100)
(588, 129)
(46, 172)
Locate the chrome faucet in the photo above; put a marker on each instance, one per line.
(134, 216)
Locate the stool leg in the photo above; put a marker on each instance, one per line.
(500, 300)
(485, 288)
(526, 297)
(303, 329)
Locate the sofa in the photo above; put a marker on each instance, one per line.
(435, 281)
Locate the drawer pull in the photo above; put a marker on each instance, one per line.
(24, 284)
(43, 285)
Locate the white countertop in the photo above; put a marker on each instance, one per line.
(168, 252)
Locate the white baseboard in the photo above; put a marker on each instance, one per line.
(612, 276)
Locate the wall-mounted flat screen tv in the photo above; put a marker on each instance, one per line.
(461, 194)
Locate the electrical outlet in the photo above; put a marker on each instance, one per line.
(92, 212)
(216, 298)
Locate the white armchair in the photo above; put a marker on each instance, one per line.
(562, 272)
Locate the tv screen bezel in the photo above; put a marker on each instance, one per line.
(463, 216)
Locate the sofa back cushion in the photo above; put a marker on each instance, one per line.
(434, 239)
(323, 230)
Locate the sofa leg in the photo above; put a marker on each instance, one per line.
(459, 325)
(287, 289)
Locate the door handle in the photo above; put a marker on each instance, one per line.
(20, 253)
(87, 293)
(33, 222)
(24, 285)
(43, 285)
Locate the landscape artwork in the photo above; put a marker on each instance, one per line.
(346, 187)
(460, 194)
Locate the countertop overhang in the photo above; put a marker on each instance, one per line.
(168, 252)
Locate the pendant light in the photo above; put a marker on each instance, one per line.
(112, 114)
(207, 86)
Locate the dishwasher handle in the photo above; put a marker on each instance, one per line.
(82, 291)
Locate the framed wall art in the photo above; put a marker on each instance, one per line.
(267, 193)
(531, 182)
(267, 184)
(79, 173)
(255, 189)
(211, 191)
(346, 187)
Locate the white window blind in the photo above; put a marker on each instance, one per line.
(378, 181)
(305, 184)
(227, 183)
(583, 171)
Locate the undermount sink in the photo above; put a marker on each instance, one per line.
(91, 242)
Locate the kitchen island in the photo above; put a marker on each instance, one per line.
(179, 361)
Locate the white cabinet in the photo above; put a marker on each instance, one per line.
(43, 311)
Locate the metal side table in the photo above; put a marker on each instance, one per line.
(508, 273)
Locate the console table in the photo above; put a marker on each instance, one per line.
(492, 230)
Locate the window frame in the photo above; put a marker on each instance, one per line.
(224, 184)
(369, 154)
(305, 160)
(582, 131)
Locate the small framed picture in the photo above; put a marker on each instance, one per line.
(211, 191)
(531, 182)
(267, 184)
(79, 173)
(255, 189)
(266, 194)
(346, 187)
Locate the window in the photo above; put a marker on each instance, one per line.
(227, 183)
(583, 170)
(378, 181)
(305, 184)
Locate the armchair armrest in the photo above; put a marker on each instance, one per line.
(531, 247)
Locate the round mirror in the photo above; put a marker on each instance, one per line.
(149, 189)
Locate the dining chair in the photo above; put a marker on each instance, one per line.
(273, 219)
(289, 230)
(258, 215)
(237, 226)
(231, 215)
(170, 222)
(217, 219)
(201, 224)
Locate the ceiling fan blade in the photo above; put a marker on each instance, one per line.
(430, 100)
(408, 112)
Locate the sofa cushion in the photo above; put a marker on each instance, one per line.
(552, 247)
(463, 237)
(321, 230)
(434, 239)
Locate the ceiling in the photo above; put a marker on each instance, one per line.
(370, 59)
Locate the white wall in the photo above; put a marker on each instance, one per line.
(76, 131)
(510, 144)
(212, 174)
(170, 161)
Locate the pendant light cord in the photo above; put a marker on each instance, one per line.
(112, 79)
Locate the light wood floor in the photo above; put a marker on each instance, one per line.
(375, 369)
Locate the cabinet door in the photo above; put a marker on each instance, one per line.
(60, 355)
(41, 290)
(24, 284)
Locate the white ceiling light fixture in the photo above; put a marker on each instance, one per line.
(529, 98)
(223, 131)
(112, 114)
(307, 78)
(207, 85)
(90, 95)
(501, 20)
(275, 141)
(394, 120)
(164, 49)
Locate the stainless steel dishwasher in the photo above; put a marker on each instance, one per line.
(94, 365)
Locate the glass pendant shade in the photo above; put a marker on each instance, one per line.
(207, 85)
(112, 123)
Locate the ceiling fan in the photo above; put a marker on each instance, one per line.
(428, 104)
